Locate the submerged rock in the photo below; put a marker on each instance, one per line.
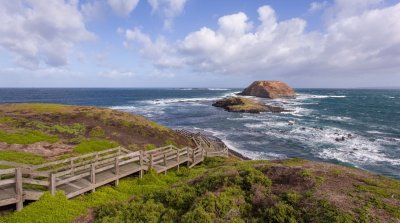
(269, 89)
(245, 105)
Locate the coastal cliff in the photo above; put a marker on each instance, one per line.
(269, 89)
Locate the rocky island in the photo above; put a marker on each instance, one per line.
(245, 105)
(269, 89)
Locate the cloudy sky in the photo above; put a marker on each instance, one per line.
(199, 43)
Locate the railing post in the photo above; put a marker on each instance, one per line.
(177, 158)
(72, 167)
(165, 159)
(18, 189)
(202, 154)
(151, 162)
(52, 184)
(141, 164)
(188, 156)
(117, 171)
(193, 156)
(93, 177)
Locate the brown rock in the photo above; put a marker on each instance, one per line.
(245, 105)
(269, 89)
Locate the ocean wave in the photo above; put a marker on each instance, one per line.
(326, 144)
(311, 96)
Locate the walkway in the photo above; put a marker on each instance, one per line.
(81, 174)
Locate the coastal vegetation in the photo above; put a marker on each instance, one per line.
(218, 190)
(229, 190)
(36, 133)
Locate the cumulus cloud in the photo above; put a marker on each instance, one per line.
(159, 51)
(168, 9)
(41, 31)
(123, 7)
(357, 42)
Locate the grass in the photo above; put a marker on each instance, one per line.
(94, 145)
(27, 137)
(21, 157)
(97, 132)
(37, 107)
(149, 146)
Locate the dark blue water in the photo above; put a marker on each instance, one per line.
(367, 120)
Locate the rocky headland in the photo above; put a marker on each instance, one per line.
(269, 89)
(245, 105)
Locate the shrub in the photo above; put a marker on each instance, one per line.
(149, 146)
(97, 132)
(75, 129)
(198, 215)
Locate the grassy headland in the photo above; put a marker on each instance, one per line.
(52, 131)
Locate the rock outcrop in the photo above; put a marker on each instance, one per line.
(269, 89)
(245, 105)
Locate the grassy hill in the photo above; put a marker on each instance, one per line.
(45, 132)
(219, 190)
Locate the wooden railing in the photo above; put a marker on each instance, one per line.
(11, 179)
(85, 173)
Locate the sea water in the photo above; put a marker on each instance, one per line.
(359, 128)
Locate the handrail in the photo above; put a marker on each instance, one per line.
(88, 165)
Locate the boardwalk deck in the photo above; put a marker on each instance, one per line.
(85, 173)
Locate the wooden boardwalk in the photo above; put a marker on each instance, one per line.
(85, 173)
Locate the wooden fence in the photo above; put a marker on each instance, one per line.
(85, 173)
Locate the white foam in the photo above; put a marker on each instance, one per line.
(218, 89)
(311, 96)
(357, 149)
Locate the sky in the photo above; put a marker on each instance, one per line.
(199, 43)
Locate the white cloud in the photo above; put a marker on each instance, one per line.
(317, 6)
(168, 9)
(367, 42)
(41, 31)
(94, 10)
(123, 7)
(347, 8)
(159, 51)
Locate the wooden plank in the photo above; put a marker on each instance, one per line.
(32, 195)
(36, 182)
(7, 171)
(8, 201)
(7, 182)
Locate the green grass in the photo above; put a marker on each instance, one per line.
(27, 137)
(94, 145)
(21, 157)
(39, 107)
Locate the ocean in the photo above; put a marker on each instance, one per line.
(353, 127)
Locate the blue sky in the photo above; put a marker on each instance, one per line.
(199, 43)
